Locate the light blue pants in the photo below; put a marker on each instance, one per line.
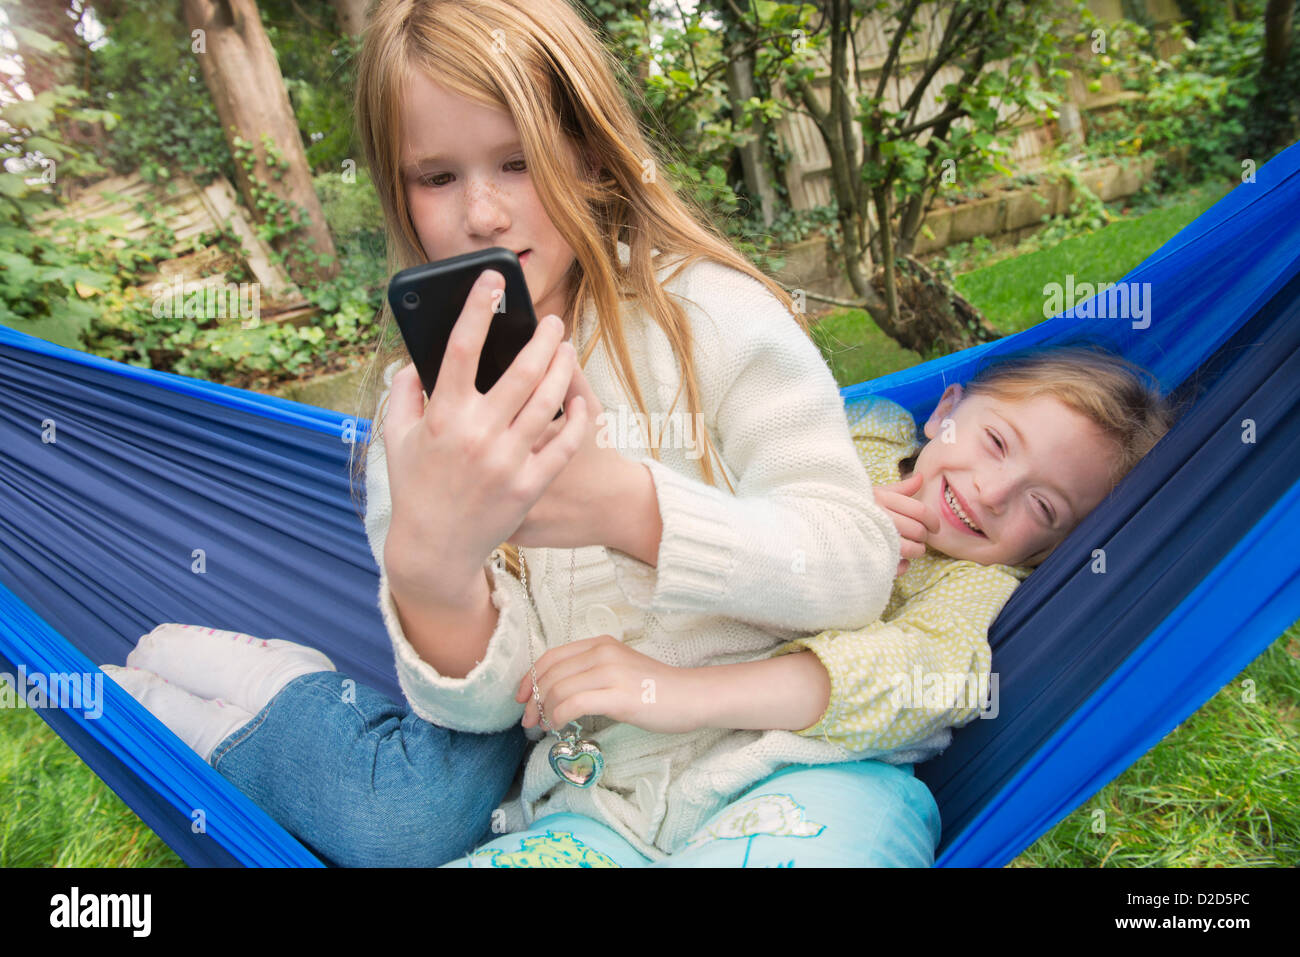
(864, 814)
(365, 782)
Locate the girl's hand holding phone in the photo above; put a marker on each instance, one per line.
(913, 519)
(465, 468)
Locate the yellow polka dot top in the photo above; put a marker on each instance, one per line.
(901, 684)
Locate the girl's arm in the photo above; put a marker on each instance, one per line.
(801, 545)
(452, 475)
(476, 698)
(868, 691)
(788, 693)
(896, 684)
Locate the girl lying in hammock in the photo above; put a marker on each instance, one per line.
(640, 596)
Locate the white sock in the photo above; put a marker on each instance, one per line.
(200, 724)
(241, 669)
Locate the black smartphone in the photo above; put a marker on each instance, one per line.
(427, 300)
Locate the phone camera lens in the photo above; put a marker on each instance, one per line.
(410, 300)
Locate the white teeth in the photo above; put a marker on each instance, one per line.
(957, 509)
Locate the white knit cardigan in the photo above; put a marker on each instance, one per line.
(801, 547)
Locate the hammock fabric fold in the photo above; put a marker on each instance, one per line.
(130, 497)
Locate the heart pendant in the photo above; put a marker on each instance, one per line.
(578, 762)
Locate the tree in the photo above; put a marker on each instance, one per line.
(744, 92)
(711, 95)
(1277, 33)
(240, 70)
(896, 138)
(1276, 105)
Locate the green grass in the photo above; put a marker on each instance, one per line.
(1010, 292)
(1219, 791)
(857, 350)
(56, 813)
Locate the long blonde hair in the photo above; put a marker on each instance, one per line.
(538, 60)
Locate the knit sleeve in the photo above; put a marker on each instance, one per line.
(484, 700)
(801, 544)
(898, 684)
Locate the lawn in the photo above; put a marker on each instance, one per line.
(1219, 790)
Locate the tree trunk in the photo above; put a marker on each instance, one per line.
(753, 155)
(351, 16)
(909, 304)
(247, 88)
(845, 171)
(932, 317)
(1277, 33)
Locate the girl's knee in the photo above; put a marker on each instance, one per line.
(392, 830)
(363, 782)
(898, 820)
(407, 803)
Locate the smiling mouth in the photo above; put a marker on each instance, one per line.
(950, 497)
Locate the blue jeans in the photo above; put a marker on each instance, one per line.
(863, 814)
(363, 782)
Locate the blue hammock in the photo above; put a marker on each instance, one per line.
(163, 498)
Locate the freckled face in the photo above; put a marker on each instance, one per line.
(1010, 479)
(469, 188)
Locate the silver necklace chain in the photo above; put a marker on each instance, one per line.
(532, 661)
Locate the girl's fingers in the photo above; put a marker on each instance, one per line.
(908, 486)
(550, 460)
(930, 519)
(909, 528)
(562, 653)
(527, 370)
(549, 659)
(566, 689)
(900, 503)
(581, 694)
(459, 366)
(536, 416)
(911, 549)
(582, 387)
(910, 509)
(570, 670)
(565, 680)
(405, 399)
(551, 431)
